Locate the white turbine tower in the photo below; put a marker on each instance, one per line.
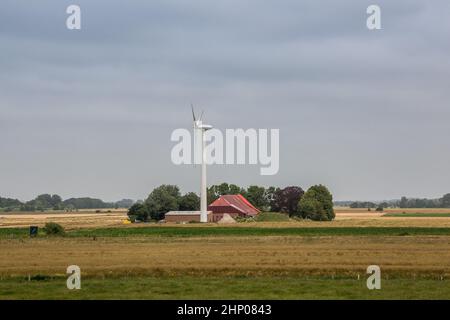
(199, 135)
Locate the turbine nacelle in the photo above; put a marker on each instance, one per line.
(198, 124)
(205, 127)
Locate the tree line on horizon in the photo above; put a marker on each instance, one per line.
(55, 202)
(316, 203)
(405, 202)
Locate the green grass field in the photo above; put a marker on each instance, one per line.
(186, 287)
(238, 231)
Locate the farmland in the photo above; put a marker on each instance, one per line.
(254, 260)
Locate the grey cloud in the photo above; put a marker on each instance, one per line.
(91, 112)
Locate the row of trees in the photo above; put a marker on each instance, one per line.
(404, 202)
(443, 202)
(315, 204)
(55, 202)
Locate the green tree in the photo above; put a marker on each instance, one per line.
(86, 203)
(215, 191)
(124, 203)
(161, 200)
(10, 203)
(138, 211)
(384, 205)
(189, 202)
(317, 204)
(43, 201)
(445, 201)
(257, 197)
(403, 202)
(270, 197)
(234, 189)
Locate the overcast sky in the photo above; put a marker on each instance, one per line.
(90, 112)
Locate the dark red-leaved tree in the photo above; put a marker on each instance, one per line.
(286, 200)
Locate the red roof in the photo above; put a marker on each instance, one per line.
(236, 202)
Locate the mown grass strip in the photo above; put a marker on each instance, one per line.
(251, 288)
(252, 231)
(14, 232)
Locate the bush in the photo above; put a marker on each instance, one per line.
(54, 229)
(317, 204)
(244, 219)
(380, 209)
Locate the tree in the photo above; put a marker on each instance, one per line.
(403, 202)
(257, 197)
(270, 197)
(366, 204)
(189, 202)
(384, 205)
(86, 203)
(56, 200)
(138, 212)
(287, 199)
(234, 189)
(10, 203)
(161, 200)
(42, 202)
(445, 201)
(215, 191)
(124, 203)
(317, 204)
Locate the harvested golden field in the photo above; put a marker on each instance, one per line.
(345, 217)
(405, 256)
(70, 220)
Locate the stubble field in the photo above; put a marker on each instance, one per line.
(278, 260)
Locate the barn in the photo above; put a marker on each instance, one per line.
(234, 205)
(186, 216)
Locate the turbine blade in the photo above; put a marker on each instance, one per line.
(201, 116)
(193, 114)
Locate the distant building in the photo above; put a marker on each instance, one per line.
(186, 216)
(234, 205)
(229, 205)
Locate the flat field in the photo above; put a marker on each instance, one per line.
(345, 217)
(258, 260)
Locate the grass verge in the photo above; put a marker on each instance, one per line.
(187, 287)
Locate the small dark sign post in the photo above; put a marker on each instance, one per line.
(33, 231)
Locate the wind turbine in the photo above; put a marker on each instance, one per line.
(199, 135)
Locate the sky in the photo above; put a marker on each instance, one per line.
(90, 112)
